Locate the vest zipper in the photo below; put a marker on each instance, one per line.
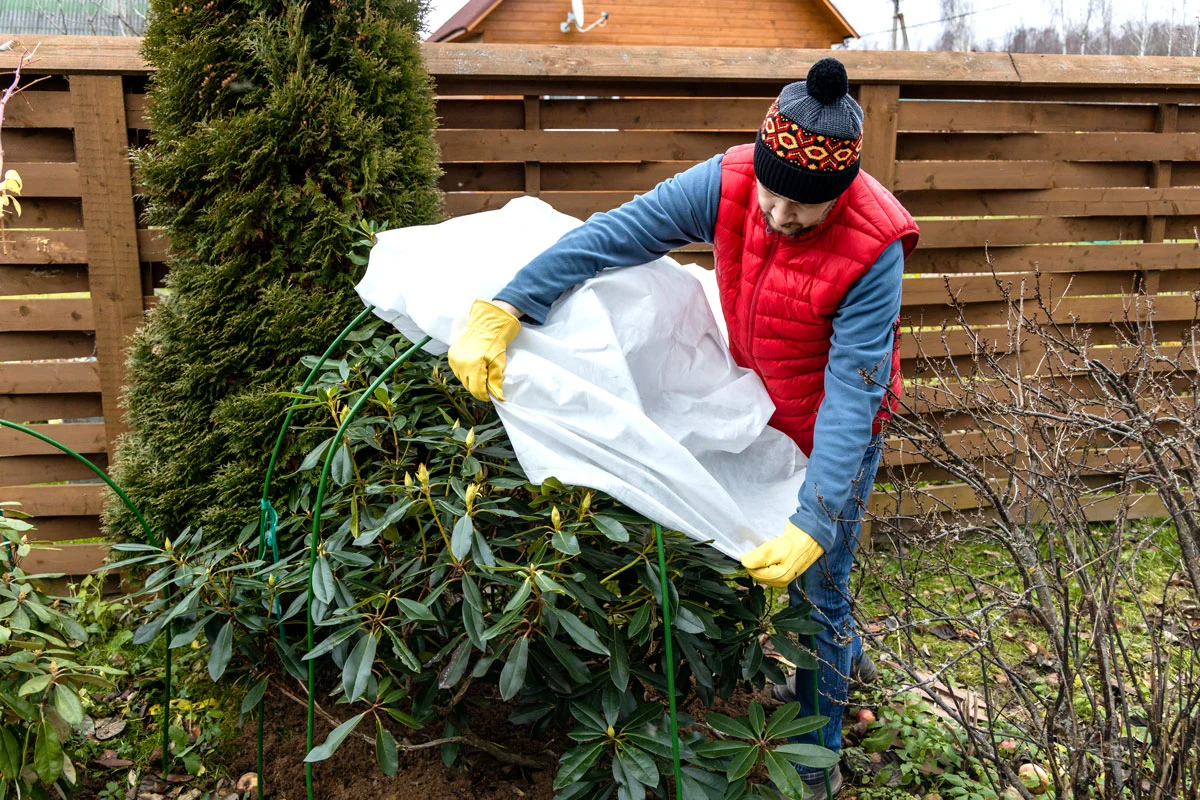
(762, 278)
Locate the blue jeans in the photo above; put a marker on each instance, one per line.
(826, 585)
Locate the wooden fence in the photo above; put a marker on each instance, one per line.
(1088, 167)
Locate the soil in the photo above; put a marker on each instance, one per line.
(352, 773)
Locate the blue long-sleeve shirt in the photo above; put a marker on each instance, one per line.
(683, 210)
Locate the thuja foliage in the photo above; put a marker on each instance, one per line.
(276, 125)
(440, 566)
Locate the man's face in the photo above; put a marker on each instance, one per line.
(787, 216)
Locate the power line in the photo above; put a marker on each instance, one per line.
(944, 19)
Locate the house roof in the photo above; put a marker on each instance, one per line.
(469, 16)
(464, 20)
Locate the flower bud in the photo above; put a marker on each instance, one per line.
(408, 480)
(472, 491)
(586, 504)
(271, 581)
(556, 518)
(167, 543)
(423, 476)
(470, 441)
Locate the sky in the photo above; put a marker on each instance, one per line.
(873, 18)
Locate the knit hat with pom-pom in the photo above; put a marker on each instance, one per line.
(808, 147)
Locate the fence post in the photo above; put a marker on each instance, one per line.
(533, 122)
(110, 228)
(881, 118)
(1165, 121)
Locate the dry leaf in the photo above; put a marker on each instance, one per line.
(248, 782)
(108, 728)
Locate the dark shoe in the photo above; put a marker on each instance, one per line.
(816, 789)
(862, 673)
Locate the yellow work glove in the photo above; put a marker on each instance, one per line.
(783, 559)
(477, 356)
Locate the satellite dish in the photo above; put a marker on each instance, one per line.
(576, 17)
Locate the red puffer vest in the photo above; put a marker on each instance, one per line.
(779, 294)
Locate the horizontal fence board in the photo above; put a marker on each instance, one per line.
(578, 177)
(37, 407)
(962, 498)
(74, 500)
(1084, 310)
(1057, 258)
(65, 529)
(46, 469)
(573, 146)
(47, 212)
(85, 438)
(36, 108)
(727, 114)
(1044, 230)
(576, 204)
(977, 288)
(975, 175)
(1098, 201)
(934, 116)
(46, 314)
(499, 87)
(53, 377)
(24, 278)
(1051, 94)
(1049, 146)
(43, 346)
(39, 144)
(46, 179)
(69, 559)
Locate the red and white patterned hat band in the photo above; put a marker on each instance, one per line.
(811, 151)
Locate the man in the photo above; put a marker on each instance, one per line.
(809, 257)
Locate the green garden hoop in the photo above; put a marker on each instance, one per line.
(150, 539)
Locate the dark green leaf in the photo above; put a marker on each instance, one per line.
(584, 636)
(416, 612)
(787, 780)
(68, 705)
(335, 738)
(575, 762)
(357, 669)
(742, 763)
(47, 753)
(618, 664)
(512, 677)
(460, 539)
(610, 528)
(756, 717)
(808, 755)
(638, 765)
(323, 585)
(799, 727)
(800, 658)
(222, 651)
(386, 752)
(342, 470)
(565, 542)
(254, 694)
(729, 726)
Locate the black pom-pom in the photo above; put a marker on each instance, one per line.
(827, 81)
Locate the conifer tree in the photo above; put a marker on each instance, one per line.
(277, 125)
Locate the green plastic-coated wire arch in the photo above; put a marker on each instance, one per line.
(150, 539)
(316, 533)
(267, 517)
